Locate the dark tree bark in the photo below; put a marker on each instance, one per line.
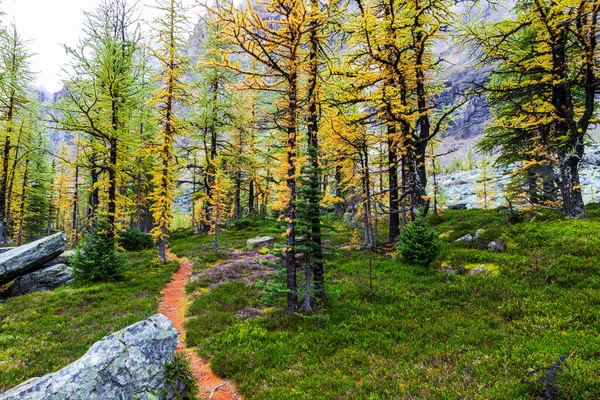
(393, 183)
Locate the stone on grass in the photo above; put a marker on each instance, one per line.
(259, 242)
(496, 246)
(460, 206)
(467, 238)
(47, 278)
(129, 364)
(31, 257)
(481, 270)
(478, 234)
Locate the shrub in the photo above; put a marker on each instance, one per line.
(419, 244)
(135, 240)
(181, 384)
(97, 258)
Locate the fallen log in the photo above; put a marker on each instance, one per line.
(30, 257)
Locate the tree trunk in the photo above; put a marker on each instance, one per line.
(573, 206)
(339, 206)
(22, 205)
(74, 227)
(393, 183)
(314, 197)
(112, 188)
(290, 214)
(251, 210)
(237, 205)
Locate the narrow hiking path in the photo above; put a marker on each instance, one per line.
(173, 304)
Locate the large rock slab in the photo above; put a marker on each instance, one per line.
(260, 242)
(30, 257)
(47, 278)
(129, 364)
(5, 249)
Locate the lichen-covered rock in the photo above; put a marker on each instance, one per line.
(45, 279)
(467, 238)
(496, 246)
(129, 364)
(5, 249)
(481, 270)
(30, 257)
(259, 242)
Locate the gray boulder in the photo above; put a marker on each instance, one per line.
(467, 238)
(481, 270)
(260, 242)
(496, 246)
(478, 234)
(5, 249)
(30, 257)
(129, 364)
(47, 278)
(461, 206)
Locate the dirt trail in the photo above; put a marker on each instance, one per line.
(173, 304)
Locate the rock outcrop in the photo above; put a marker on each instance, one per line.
(260, 242)
(47, 278)
(129, 364)
(31, 257)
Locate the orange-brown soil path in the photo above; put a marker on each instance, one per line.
(172, 304)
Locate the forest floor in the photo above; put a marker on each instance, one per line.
(399, 331)
(173, 304)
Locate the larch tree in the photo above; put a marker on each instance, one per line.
(392, 66)
(101, 96)
(14, 97)
(169, 96)
(271, 34)
(544, 89)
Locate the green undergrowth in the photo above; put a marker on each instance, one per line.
(422, 333)
(43, 332)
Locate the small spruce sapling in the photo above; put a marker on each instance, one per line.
(419, 244)
(97, 259)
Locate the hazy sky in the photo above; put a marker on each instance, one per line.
(49, 24)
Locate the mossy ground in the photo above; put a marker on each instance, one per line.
(43, 332)
(420, 333)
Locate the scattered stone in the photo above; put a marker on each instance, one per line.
(249, 313)
(461, 206)
(31, 257)
(481, 270)
(478, 234)
(496, 246)
(467, 238)
(47, 278)
(129, 364)
(448, 271)
(258, 242)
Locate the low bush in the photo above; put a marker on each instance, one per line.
(181, 383)
(135, 240)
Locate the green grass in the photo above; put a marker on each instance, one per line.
(421, 334)
(43, 332)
